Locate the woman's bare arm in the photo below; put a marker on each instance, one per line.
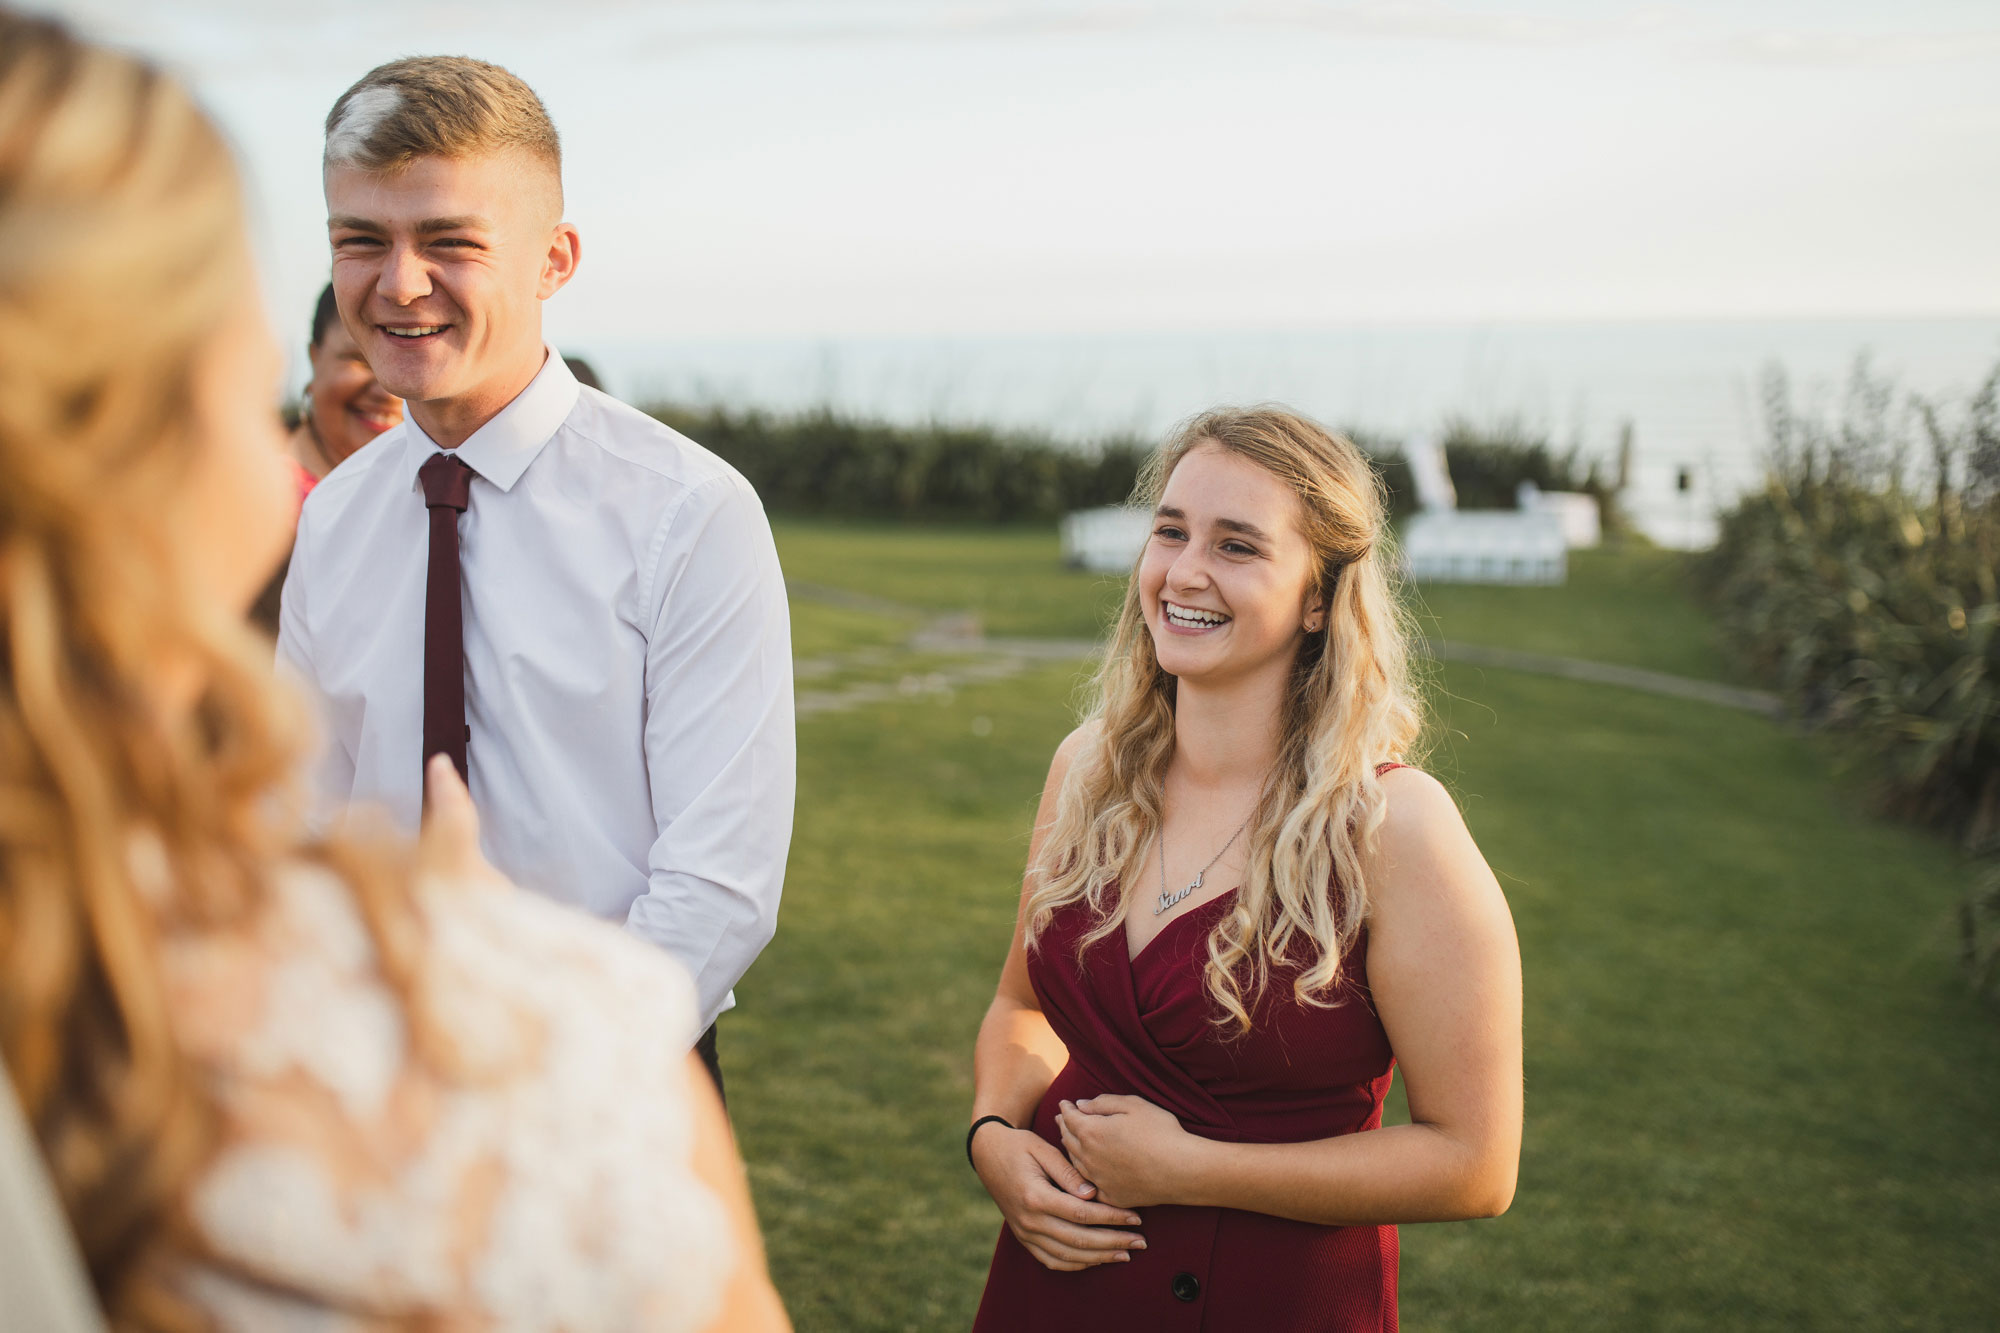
(1050, 1207)
(1445, 972)
(1018, 1054)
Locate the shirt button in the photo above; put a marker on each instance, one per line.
(1187, 1287)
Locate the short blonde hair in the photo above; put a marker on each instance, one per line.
(438, 106)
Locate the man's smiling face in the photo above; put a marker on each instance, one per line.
(440, 269)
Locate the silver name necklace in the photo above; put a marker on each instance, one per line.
(1170, 899)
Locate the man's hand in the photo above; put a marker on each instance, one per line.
(1127, 1145)
(1048, 1206)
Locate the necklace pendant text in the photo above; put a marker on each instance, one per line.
(1169, 899)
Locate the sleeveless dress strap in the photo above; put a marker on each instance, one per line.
(1380, 769)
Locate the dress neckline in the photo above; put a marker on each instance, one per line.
(1132, 959)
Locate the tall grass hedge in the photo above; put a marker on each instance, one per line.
(824, 463)
(1861, 582)
(1489, 461)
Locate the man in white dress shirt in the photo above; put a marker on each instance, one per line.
(626, 662)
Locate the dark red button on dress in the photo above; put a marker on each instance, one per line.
(1141, 1026)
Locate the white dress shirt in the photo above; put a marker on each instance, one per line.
(628, 676)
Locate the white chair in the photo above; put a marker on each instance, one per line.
(43, 1287)
(1582, 518)
(1106, 540)
(1441, 544)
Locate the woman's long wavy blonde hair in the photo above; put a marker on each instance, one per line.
(1351, 706)
(122, 249)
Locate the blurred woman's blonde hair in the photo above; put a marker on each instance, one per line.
(1351, 705)
(122, 250)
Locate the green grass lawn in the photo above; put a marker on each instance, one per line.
(820, 631)
(1758, 1094)
(1628, 605)
(1011, 578)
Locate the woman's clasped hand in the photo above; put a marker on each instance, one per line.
(1133, 1151)
(1051, 1209)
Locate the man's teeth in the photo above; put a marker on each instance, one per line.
(1191, 618)
(417, 332)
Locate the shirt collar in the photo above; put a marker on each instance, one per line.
(501, 450)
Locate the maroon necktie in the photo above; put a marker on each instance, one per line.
(447, 488)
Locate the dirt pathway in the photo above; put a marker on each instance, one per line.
(946, 652)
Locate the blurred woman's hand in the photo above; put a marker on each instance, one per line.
(448, 847)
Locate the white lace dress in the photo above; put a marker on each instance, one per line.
(549, 1188)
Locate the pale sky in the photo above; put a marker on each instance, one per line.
(829, 168)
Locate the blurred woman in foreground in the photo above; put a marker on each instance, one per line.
(344, 407)
(278, 1084)
(1241, 913)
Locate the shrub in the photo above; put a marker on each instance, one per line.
(824, 463)
(1861, 581)
(1979, 930)
(821, 462)
(1488, 465)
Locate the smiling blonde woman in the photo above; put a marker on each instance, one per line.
(1241, 913)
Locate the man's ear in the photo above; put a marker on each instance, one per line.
(559, 265)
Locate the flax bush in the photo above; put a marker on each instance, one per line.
(1979, 929)
(1861, 582)
(825, 463)
(1489, 462)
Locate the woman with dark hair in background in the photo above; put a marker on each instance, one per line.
(343, 407)
(278, 1082)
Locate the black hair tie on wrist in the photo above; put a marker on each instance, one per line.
(976, 1126)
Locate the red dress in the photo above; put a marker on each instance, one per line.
(1141, 1026)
